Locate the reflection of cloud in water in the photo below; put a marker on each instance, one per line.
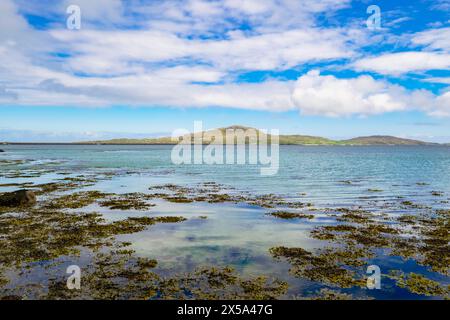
(193, 238)
(232, 235)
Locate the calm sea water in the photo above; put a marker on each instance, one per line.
(314, 170)
(240, 235)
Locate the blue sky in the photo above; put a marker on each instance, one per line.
(145, 68)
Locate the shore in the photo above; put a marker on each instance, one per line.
(211, 240)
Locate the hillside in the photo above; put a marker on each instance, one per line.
(283, 139)
(305, 140)
(294, 139)
(382, 140)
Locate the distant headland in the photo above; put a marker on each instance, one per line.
(293, 139)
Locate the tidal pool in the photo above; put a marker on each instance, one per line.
(343, 209)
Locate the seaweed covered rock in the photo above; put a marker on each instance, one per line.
(17, 198)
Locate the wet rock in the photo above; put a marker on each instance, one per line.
(2, 150)
(18, 198)
(12, 297)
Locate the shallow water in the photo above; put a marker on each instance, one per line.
(240, 235)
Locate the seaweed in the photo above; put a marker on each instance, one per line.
(318, 267)
(48, 233)
(128, 201)
(328, 294)
(418, 284)
(290, 215)
(118, 275)
(74, 200)
(219, 284)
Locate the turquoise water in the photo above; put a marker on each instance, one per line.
(239, 234)
(315, 170)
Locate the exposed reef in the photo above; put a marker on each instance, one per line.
(290, 215)
(66, 223)
(423, 238)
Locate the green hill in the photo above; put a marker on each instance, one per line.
(382, 140)
(305, 140)
(283, 139)
(294, 139)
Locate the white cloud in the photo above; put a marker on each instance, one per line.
(435, 39)
(167, 91)
(315, 94)
(442, 108)
(110, 52)
(445, 80)
(188, 53)
(443, 5)
(18, 135)
(404, 62)
(132, 66)
(396, 22)
(435, 55)
(215, 16)
(99, 10)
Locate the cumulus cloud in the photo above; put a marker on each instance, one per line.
(315, 94)
(149, 66)
(188, 53)
(442, 107)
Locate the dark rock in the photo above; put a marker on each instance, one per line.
(17, 198)
(11, 298)
(2, 150)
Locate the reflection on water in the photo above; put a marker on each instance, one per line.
(240, 235)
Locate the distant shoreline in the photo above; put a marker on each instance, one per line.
(291, 139)
(84, 144)
(172, 144)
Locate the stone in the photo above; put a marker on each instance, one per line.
(17, 198)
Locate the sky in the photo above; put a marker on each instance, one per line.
(332, 68)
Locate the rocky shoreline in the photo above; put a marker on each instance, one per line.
(47, 228)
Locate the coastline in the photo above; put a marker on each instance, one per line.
(172, 144)
(168, 225)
